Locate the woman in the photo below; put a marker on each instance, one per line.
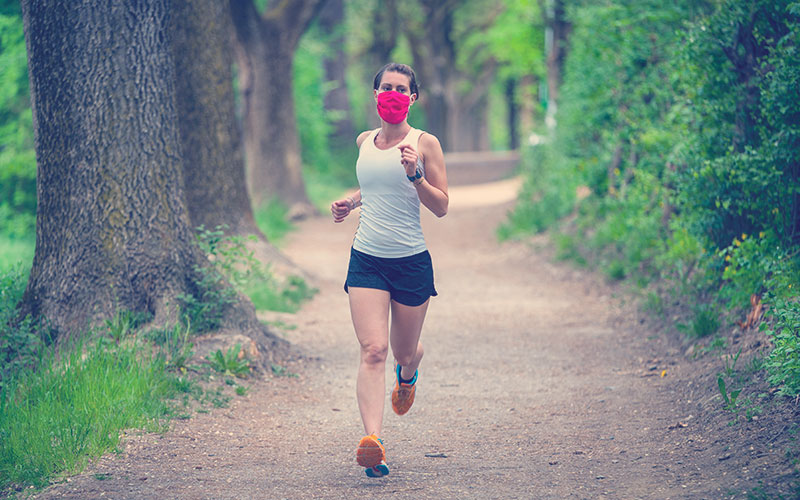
(390, 268)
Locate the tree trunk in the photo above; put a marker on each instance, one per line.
(513, 113)
(434, 60)
(557, 32)
(529, 96)
(337, 103)
(213, 161)
(265, 52)
(112, 229)
(385, 30)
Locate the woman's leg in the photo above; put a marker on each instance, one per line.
(369, 308)
(406, 329)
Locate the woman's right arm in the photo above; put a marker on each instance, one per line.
(342, 208)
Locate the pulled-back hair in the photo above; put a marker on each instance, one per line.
(403, 69)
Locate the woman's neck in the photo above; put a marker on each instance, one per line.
(391, 132)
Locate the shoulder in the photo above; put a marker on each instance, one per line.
(429, 143)
(363, 136)
(426, 139)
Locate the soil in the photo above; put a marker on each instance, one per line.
(539, 381)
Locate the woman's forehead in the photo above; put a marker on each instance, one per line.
(395, 78)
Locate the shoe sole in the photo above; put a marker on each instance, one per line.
(370, 453)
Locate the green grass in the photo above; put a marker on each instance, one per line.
(267, 295)
(271, 219)
(15, 251)
(73, 408)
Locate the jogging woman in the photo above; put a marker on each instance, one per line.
(390, 268)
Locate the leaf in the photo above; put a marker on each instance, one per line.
(723, 390)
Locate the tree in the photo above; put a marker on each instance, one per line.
(265, 46)
(112, 231)
(337, 103)
(455, 77)
(557, 33)
(213, 162)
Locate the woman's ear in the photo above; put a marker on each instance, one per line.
(375, 95)
(413, 99)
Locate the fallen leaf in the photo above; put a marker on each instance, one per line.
(663, 373)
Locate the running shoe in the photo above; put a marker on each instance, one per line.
(403, 393)
(372, 455)
(379, 470)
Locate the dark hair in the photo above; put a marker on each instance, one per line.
(403, 69)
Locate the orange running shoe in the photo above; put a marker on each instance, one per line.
(370, 452)
(403, 393)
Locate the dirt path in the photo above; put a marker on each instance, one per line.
(536, 384)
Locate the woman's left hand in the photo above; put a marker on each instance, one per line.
(408, 157)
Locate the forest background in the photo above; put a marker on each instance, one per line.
(660, 145)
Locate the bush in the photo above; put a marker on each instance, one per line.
(680, 124)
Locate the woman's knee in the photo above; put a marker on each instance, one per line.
(373, 354)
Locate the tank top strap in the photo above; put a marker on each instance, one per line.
(413, 137)
(370, 139)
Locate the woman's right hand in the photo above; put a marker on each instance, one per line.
(341, 209)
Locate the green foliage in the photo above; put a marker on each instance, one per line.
(704, 321)
(282, 371)
(17, 156)
(313, 124)
(21, 342)
(272, 219)
(729, 398)
(233, 269)
(174, 344)
(73, 407)
(228, 363)
(681, 122)
(740, 170)
(783, 326)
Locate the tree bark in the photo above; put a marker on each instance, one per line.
(557, 30)
(112, 229)
(265, 46)
(337, 103)
(513, 113)
(213, 160)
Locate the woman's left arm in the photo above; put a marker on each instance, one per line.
(432, 188)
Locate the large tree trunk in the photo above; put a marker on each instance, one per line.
(265, 52)
(112, 229)
(331, 21)
(213, 161)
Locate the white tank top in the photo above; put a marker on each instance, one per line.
(389, 222)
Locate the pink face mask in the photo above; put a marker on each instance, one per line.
(393, 106)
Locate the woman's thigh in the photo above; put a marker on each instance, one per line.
(369, 309)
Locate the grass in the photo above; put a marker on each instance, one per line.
(16, 252)
(74, 406)
(271, 219)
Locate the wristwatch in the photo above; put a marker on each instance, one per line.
(418, 175)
